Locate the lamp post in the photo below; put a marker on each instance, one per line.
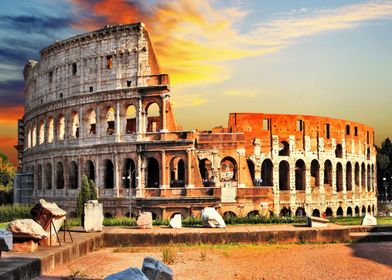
(129, 177)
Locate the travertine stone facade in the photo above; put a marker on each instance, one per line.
(97, 104)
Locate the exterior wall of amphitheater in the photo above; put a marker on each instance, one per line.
(97, 104)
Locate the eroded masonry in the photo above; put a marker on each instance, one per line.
(97, 104)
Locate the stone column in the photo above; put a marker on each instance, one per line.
(117, 122)
(82, 133)
(163, 112)
(163, 184)
(189, 153)
(53, 176)
(117, 176)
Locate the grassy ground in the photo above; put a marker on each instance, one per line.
(355, 221)
(3, 225)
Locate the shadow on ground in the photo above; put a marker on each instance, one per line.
(379, 252)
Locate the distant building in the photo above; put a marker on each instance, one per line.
(97, 104)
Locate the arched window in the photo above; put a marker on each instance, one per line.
(177, 173)
(110, 116)
(131, 120)
(228, 169)
(349, 176)
(300, 183)
(267, 171)
(153, 118)
(73, 175)
(90, 170)
(284, 149)
(368, 154)
(59, 175)
(339, 177)
(28, 140)
(328, 212)
(339, 212)
(50, 130)
(356, 179)
(284, 176)
(363, 176)
(41, 132)
(251, 168)
(75, 125)
(39, 176)
(205, 168)
(339, 151)
(153, 173)
(92, 122)
(327, 172)
(314, 174)
(349, 211)
(109, 174)
(61, 128)
(129, 177)
(48, 171)
(316, 213)
(363, 210)
(356, 211)
(34, 136)
(368, 178)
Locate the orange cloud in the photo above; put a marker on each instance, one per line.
(10, 115)
(7, 147)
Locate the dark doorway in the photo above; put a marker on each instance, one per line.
(153, 173)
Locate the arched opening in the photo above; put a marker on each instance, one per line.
(34, 136)
(267, 169)
(373, 177)
(59, 175)
(356, 211)
(153, 173)
(61, 128)
(228, 169)
(363, 211)
(349, 176)
(339, 151)
(129, 177)
(229, 214)
(369, 210)
(73, 175)
(92, 122)
(363, 176)
(177, 173)
(339, 212)
(253, 213)
(109, 174)
(328, 173)
(373, 210)
(300, 212)
(90, 170)
(356, 176)
(205, 168)
(300, 175)
(153, 118)
(349, 211)
(314, 174)
(284, 148)
(316, 213)
(75, 125)
(368, 180)
(131, 120)
(50, 130)
(328, 212)
(285, 212)
(368, 154)
(41, 132)
(108, 215)
(39, 176)
(154, 215)
(339, 177)
(284, 176)
(28, 139)
(110, 116)
(251, 168)
(48, 172)
(177, 213)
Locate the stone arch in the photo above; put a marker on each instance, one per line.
(129, 174)
(253, 213)
(369, 209)
(300, 176)
(328, 212)
(108, 174)
(349, 176)
(90, 170)
(41, 132)
(284, 176)
(48, 176)
(153, 115)
(153, 177)
(314, 173)
(39, 176)
(92, 122)
(28, 139)
(61, 128)
(73, 175)
(356, 176)
(228, 169)
(110, 121)
(267, 171)
(349, 211)
(316, 213)
(356, 211)
(285, 212)
(328, 172)
(339, 177)
(368, 178)
(108, 215)
(363, 212)
(206, 172)
(339, 212)
(75, 125)
(284, 148)
(339, 151)
(300, 212)
(229, 214)
(59, 175)
(130, 119)
(177, 172)
(373, 209)
(251, 168)
(368, 153)
(176, 213)
(50, 130)
(363, 176)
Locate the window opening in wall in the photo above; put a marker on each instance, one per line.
(74, 68)
(153, 116)
(92, 120)
(347, 129)
(51, 131)
(61, 95)
(61, 128)
(109, 62)
(75, 125)
(206, 172)
(367, 137)
(300, 175)
(266, 124)
(131, 120)
(110, 121)
(91, 89)
(129, 83)
(284, 176)
(50, 76)
(153, 173)
(284, 149)
(267, 169)
(355, 131)
(300, 125)
(327, 135)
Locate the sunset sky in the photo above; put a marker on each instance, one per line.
(328, 58)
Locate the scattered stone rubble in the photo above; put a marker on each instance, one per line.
(316, 222)
(93, 216)
(176, 222)
(211, 218)
(144, 221)
(369, 220)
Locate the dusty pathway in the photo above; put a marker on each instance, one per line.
(309, 261)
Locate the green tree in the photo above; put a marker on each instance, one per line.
(384, 164)
(83, 197)
(93, 190)
(7, 175)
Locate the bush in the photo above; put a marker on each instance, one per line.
(13, 212)
(119, 221)
(161, 222)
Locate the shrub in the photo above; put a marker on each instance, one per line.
(13, 212)
(119, 221)
(168, 255)
(161, 222)
(83, 196)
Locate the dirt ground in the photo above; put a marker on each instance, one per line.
(306, 261)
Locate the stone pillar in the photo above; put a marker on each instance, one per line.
(333, 183)
(163, 184)
(53, 176)
(189, 153)
(117, 177)
(82, 133)
(139, 118)
(141, 176)
(117, 122)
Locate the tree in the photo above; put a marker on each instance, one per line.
(384, 164)
(7, 175)
(83, 197)
(93, 190)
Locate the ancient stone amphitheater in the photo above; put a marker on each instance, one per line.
(97, 104)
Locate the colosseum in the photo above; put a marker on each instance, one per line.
(97, 105)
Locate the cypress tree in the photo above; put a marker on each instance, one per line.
(83, 197)
(93, 190)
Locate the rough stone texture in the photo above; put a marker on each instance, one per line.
(144, 220)
(369, 220)
(128, 274)
(27, 228)
(5, 240)
(156, 270)
(93, 216)
(176, 221)
(212, 218)
(27, 246)
(317, 222)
